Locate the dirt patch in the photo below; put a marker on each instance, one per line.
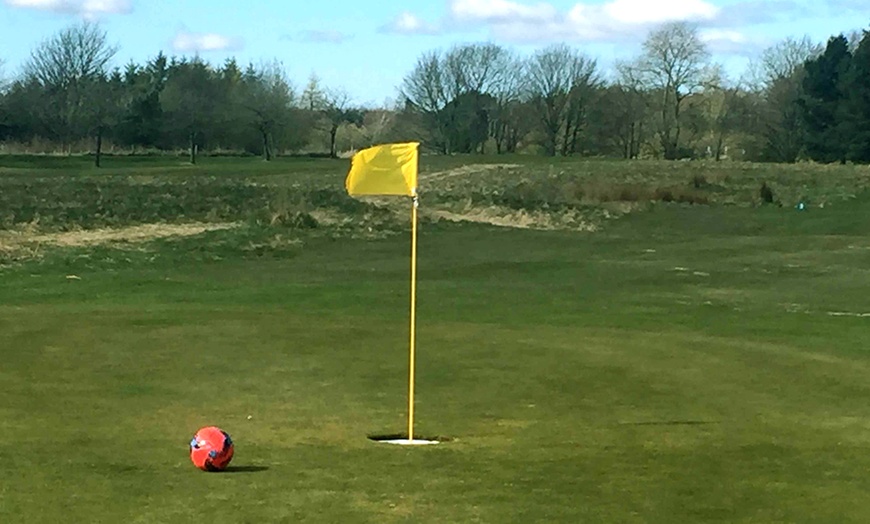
(10, 240)
(520, 219)
(473, 169)
(441, 200)
(329, 217)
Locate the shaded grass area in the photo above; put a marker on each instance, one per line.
(114, 201)
(680, 366)
(560, 183)
(63, 193)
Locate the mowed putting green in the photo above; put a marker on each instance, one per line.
(683, 364)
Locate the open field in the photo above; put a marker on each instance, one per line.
(613, 355)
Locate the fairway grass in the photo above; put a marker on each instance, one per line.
(682, 364)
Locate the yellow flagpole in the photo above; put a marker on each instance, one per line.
(413, 318)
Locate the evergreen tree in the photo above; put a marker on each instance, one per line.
(822, 102)
(142, 123)
(856, 107)
(191, 102)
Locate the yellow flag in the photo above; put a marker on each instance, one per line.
(389, 169)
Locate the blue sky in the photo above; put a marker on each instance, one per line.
(366, 48)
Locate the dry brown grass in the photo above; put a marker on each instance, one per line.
(131, 234)
(468, 170)
(520, 219)
(27, 243)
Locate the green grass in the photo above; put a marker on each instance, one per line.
(680, 365)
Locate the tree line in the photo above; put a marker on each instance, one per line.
(68, 93)
(798, 101)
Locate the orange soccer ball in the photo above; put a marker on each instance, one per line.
(211, 449)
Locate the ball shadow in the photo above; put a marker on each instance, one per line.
(245, 469)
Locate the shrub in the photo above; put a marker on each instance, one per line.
(664, 194)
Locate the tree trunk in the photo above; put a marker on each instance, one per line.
(566, 138)
(267, 152)
(193, 148)
(676, 143)
(99, 152)
(552, 144)
(575, 137)
(640, 138)
(670, 132)
(332, 132)
(666, 129)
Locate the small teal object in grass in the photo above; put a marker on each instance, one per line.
(801, 206)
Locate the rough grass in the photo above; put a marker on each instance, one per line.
(684, 363)
(526, 192)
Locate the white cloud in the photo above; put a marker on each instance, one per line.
(613, 21)
(409, 24)
(496, 11)
(723, 35)
(656, 12)
(585, 19)
(731, 42)
(858, 6)
(187, 42)
(523, 21)
(326, 36)
(84, 8)
(748, 12)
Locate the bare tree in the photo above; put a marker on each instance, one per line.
(338, 111)
(461, 93)
(621, 116)
(474, 74)
(425, 92)
(377, 124)
(424, 86)
(580, 98)
(67, 67)
(474, 68)
(725, 106)
(268, 99)
(673, 63)
(781, 61)
(559, 80)
(506, 121)
(776, 79)
(313, 96)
